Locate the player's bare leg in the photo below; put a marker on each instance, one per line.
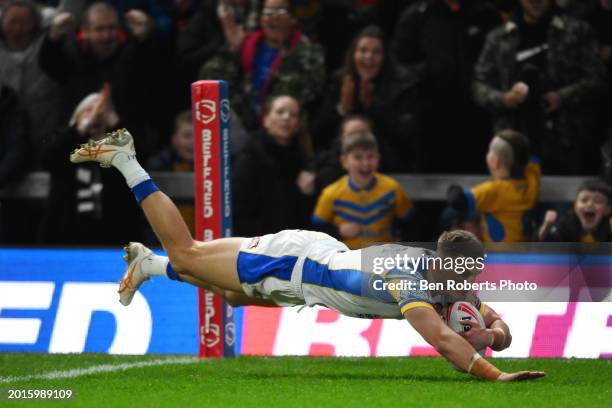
(212, 263)
(238, 299)
(234, 298)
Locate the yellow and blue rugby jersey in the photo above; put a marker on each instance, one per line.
(505, 204)
(347, 281)
(408, 298)
(343, 282)
(374, 207)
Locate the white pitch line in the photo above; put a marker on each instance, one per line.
(104, 368)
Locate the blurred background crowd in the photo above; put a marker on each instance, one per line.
(432, 80)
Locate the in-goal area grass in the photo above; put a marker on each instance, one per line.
(179, 381)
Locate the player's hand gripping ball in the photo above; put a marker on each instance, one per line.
(460, 312)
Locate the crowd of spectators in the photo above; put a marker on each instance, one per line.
(432, 81)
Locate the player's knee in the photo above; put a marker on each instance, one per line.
(180, 259)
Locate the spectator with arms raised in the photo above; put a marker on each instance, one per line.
(219, 26)
(276, 60)
(505, 201)
(102, 53)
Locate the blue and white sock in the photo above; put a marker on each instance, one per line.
(157, 265)
(130, 168)
(135, 176)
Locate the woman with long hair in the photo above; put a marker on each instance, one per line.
(371, 84)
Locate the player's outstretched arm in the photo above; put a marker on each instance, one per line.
(456, 349)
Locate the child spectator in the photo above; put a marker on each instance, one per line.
(327, 163)
(362, 206)
(178, 157)
(506, 200)
(588, 221)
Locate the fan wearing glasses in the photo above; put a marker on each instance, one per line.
(277, 59)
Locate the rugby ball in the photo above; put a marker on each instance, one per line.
(460, 311)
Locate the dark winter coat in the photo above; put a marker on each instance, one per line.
(574, 70)
(265, 197)
(14, 138)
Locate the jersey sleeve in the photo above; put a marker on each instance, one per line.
(324, 210)
(403, 205)
(407, 292)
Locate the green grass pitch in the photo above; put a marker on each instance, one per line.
(307, 382)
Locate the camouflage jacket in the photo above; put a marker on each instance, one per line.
(575, 72)
(300, 72)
